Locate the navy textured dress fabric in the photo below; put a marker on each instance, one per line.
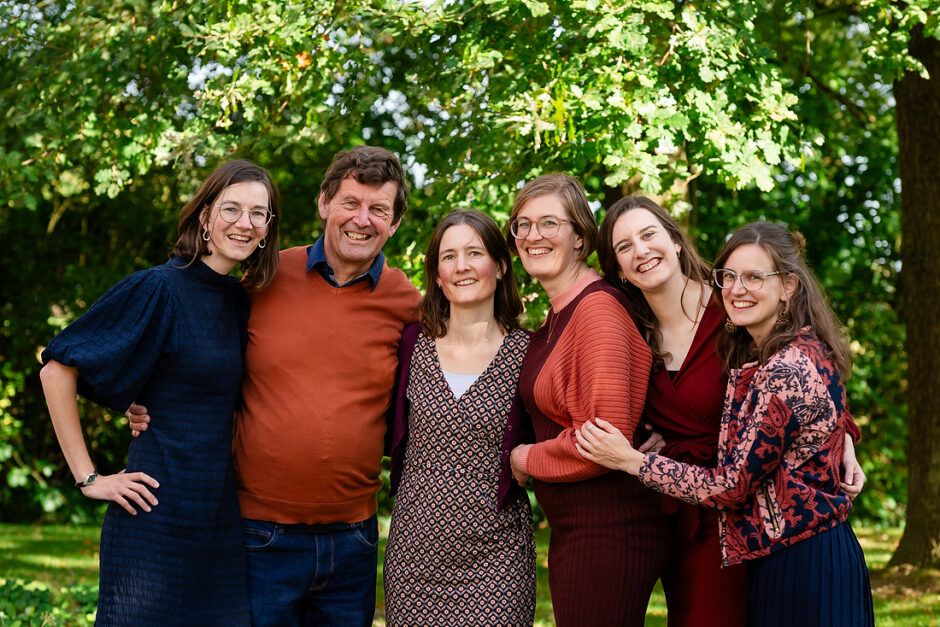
(170, 338)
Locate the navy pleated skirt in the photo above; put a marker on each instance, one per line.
(820, 581)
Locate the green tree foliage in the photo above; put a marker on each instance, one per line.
(498, 90)
(115, 110)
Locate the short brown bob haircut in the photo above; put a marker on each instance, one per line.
(570, 192)
(435, 308)
(261, 265)
(369, 165)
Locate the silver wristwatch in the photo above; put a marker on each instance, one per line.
(90, 479)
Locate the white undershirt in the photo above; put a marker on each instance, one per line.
(459, 383)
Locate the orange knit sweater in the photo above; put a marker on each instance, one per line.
(319, 371)
(599, 366)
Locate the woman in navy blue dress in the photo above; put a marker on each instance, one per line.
(172, 338)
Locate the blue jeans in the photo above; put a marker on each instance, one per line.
(311, 574)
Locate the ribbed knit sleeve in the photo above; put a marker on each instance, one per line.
(599, 367)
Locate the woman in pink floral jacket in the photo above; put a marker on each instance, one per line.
(777, 482)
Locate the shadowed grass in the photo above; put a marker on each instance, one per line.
(54, 554)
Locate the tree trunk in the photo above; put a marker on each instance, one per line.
(918, 119)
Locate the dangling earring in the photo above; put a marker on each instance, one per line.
(730, 327)
(262, 243)
(205, 235)
(783, 319)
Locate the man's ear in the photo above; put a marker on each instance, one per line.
(321, 205)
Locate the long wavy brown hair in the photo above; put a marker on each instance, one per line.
(693, 268)
(806, 307)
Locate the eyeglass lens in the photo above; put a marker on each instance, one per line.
(725, 279)
(547, 227)
(257, 217)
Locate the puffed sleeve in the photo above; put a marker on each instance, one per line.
(117, 343)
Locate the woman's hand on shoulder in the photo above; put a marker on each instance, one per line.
(125, 489)
(602, 443)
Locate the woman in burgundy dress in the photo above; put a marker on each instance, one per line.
(609, 541)
(665, 280)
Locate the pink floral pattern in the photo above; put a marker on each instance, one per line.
(779, 454)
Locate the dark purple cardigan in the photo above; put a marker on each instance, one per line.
(518, 427)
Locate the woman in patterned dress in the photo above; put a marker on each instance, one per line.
(777, 480)
(461, 549)
(172, 337)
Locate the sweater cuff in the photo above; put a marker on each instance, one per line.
(522, 457)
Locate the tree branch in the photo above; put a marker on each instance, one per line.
(860, 114)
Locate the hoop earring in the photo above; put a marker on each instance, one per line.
(205, 235)
(262, 243)
(730, 327)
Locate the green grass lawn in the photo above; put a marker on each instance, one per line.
(48, 577)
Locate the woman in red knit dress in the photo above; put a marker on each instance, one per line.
(609, 542)
(666, 282)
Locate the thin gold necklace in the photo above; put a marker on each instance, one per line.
(552, 318)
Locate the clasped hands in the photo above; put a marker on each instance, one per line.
(605, 445)
(602, 443)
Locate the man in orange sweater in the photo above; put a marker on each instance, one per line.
(319, 371)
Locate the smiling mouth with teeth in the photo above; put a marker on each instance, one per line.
(534, 252)
(465, 282)
(742, 304)
(649, 265)
(358, 236)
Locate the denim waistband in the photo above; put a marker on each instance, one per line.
(320, 529)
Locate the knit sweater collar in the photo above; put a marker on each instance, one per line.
(562, 300)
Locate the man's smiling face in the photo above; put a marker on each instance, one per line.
(357, 223)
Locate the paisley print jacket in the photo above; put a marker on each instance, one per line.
(779, 454)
